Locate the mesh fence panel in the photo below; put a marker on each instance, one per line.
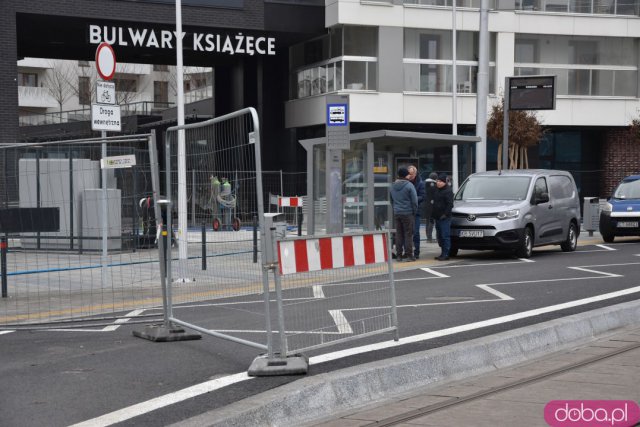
(336, 304)
(219, 259)
(64, 275)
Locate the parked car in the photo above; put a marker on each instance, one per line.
(620, 216)
(516, 210)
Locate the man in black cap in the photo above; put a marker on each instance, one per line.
(442, 206)
(419, 186)
(429, 196)
(405, 206)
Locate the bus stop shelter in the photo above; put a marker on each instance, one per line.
(369, 166)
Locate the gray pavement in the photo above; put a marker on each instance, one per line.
(373, 392)
(516, 395)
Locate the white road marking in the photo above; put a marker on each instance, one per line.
(162, 401)
(469, 326)
(526, 260)
(609, 248)
(209, 386)
(318, 292)
(5, 332)
(499, 294)
(595, 271)
(488, 264)
(110, 328)
(341, 322)
(435, 273)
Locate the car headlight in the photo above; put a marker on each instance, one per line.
(512, 213)
(607, 207)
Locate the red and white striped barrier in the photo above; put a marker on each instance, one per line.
(326, 253)
(289, 202)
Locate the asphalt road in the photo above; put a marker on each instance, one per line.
(59, 378)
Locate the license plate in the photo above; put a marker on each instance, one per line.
(628, 224)
(471, 233)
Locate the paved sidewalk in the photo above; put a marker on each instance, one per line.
(476, 401)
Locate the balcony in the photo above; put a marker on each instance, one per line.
(35, 97)
(347, 73)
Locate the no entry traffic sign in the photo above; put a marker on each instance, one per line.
(105, 61)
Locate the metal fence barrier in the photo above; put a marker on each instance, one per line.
(335, 289)
(216, 262)
(61, 265)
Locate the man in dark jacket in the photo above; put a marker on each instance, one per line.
(442, 206)
(419, 186)
(405, 205)
(429, 196)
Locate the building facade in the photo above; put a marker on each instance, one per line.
(395, 59)
(236, 53)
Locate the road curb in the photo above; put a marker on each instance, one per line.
(318, 396)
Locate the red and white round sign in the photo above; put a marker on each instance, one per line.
(105, 61)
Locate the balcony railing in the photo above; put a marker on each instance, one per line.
(591, 81)
(35, 97)
(134, 108)
(435, 76)
(357, 73)
(597, 7)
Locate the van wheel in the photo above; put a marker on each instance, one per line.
(608, 238)
(526, 244)
(571, 243)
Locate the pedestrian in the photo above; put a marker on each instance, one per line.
(405, 205)
(429, 196)
(418, 183)
(442, 206)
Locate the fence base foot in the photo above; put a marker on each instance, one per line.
(160, 333)
(263, 366)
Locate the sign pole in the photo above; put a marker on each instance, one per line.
(182, 159)
(105, 218)
(505, 125)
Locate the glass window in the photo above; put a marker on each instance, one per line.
(84, 90)
(494, 188)
(628, 190)
(561, 187)
(160, 91)
(28, 79)
(540, 188)
(126, 85)
(360, 41)
(526, 51)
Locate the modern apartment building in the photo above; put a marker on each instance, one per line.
(395, 60)
(59, 91)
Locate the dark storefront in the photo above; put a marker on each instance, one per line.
(246, 42)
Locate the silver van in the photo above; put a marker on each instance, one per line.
(516, 210)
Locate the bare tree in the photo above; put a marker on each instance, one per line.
(195, 78)
(525, 130)
(59, 81)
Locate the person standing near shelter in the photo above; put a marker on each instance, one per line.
(442, 206)
(405, 206)
(429, 196)
(419, 186)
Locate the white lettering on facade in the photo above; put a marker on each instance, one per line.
(202, 42)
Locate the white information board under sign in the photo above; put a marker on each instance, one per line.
(118, 162)
(106, 93)
(106, 117)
